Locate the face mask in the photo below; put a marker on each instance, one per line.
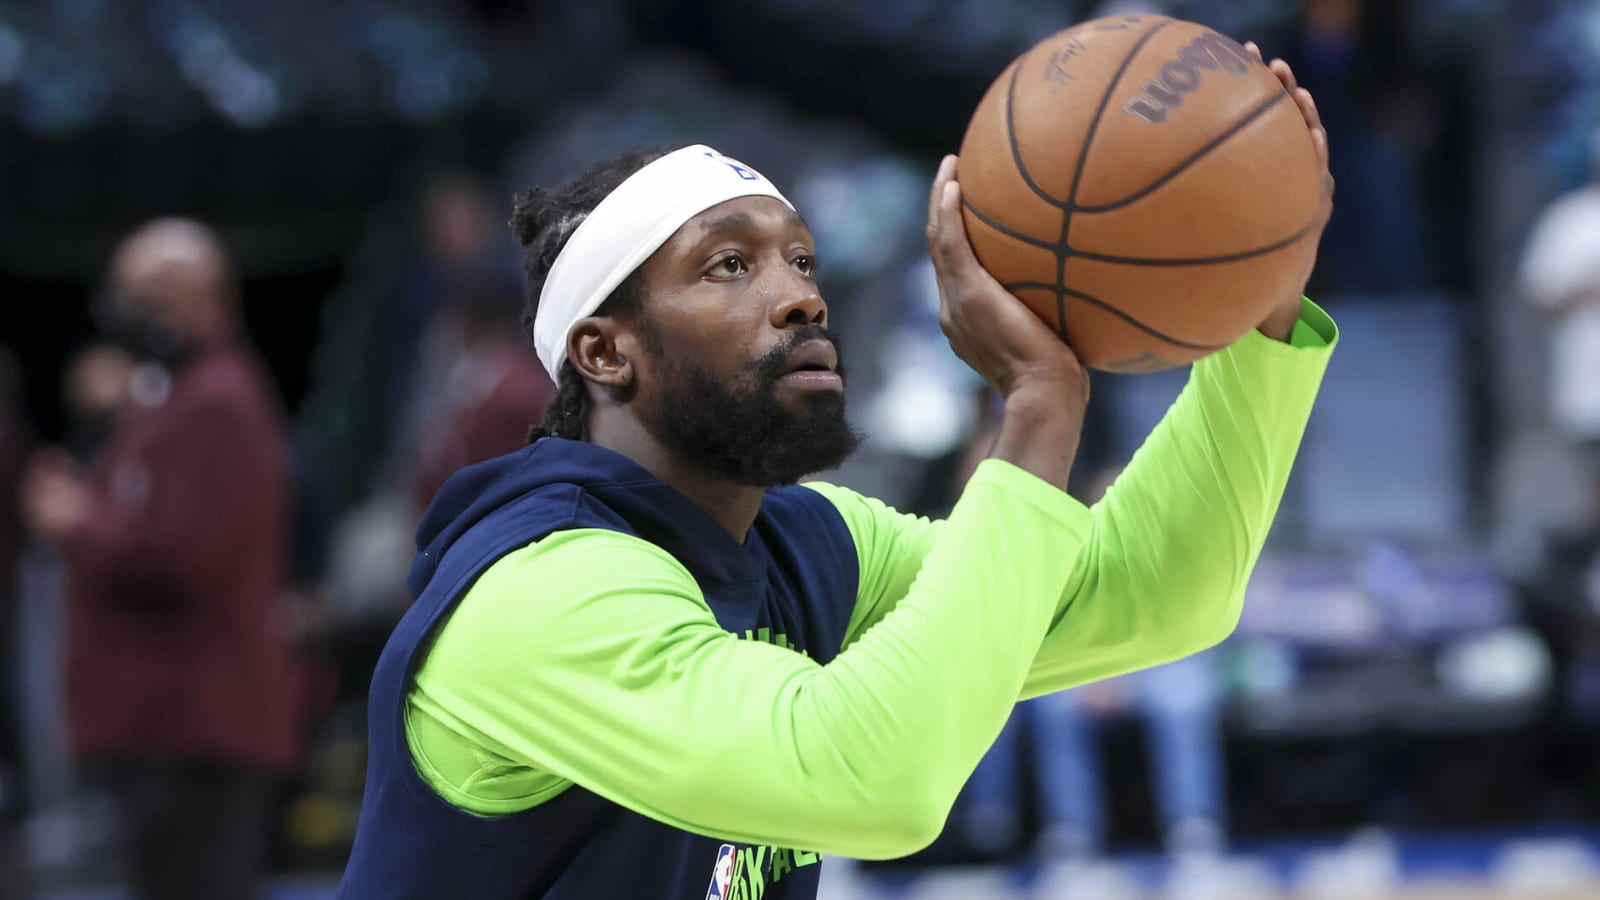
(149, 340)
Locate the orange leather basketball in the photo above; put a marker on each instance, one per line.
(1146, 186)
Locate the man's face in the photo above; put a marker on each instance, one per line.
(739, 372)
(144, 289)
(162, 290)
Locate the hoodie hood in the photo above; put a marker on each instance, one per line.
(586, 486)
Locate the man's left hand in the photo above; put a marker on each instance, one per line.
(1280, 323)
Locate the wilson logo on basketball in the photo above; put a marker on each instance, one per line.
(1181, 76)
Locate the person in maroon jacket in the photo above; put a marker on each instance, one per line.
(182, 688)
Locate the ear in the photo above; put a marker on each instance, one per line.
(594, 346)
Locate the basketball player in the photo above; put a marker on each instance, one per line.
(641, 654)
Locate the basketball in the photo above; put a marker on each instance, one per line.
(1146, 186)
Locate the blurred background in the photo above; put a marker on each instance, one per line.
(1411, 706)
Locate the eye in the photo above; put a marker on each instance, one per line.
(805, 265)
(730, 266)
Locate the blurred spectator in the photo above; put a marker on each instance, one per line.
(95, 391)
(1180, 705)
(182, 693)
(1561, 277)
(491, 389)
(1562, 588)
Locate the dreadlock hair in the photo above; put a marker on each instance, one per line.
(544, 220)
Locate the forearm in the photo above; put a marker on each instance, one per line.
(1039, 433)
(1174, 541)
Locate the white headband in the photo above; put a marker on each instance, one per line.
(625, 228)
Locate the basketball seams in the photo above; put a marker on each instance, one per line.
(1058, 249)
(1100, 111)
(1101, 304)
(1063, 248)
(1205, 150)
(1008, 231)
(1273, 247)
(1021, 168)
(1016, 148)
(1061, 306)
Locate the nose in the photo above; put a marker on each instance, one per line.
(801, 304)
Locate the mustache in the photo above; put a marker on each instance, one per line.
(775, 362)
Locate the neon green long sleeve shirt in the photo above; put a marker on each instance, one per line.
(609, 680)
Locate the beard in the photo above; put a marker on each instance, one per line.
(742, 432)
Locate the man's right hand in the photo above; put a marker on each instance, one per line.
(55, 499)
(1045, 387)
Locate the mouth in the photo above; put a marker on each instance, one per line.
(812, 366)
(813, 356)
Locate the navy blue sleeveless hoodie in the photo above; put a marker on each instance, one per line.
(795, 575)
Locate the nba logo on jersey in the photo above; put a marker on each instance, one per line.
(722, 875)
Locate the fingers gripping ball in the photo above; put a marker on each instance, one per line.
(1145, 185)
